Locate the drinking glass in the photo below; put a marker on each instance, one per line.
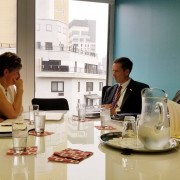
(19, 136)
(81, 111)
(129, 127)
(39, 124)
(33, 110)
(104, 115)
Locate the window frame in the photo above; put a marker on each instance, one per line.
(57, 82)
(48, 27)
(89, 86)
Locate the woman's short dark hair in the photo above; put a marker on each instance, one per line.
(10, 61)
(125, 62)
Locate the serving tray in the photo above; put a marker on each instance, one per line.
(114, 139)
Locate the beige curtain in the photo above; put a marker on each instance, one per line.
(174, 112)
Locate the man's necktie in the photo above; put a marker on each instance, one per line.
(116, 97)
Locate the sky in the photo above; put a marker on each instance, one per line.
(92, 11)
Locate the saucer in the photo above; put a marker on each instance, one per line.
(114, 139)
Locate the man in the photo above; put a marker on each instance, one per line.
(125, 96)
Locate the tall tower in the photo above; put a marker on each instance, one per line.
(53, 9)
(61, 10)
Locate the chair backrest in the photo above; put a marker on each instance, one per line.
(51, 103)
(103, 92)
(176, 98)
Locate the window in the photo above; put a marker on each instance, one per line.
(81, 46)
(64, 30)
(48, 27)
(81, 40)
(25, 43)
(91, 68)
(38, 45)
(79, 86)
(37, 27)
(100, 86)
(75, 40)
(48, 46)
(59, 29)
(89, 86)
(75, 32)
(84, 33)
(57, 86)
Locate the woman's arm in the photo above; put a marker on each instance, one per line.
(18, 96)
(12, 110)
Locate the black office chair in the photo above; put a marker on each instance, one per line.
(176, 98)
(103, 92)
(51, 103)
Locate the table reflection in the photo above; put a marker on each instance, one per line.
(40, 143)
(141, 166)
(19, 168)
(80, 132)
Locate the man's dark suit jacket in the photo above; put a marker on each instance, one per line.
(132, 102)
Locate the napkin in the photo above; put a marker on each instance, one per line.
(29, 151)
(174, 112)
(69, 155)
(105, 128)
(46, 133)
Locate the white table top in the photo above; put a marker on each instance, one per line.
(105, 164)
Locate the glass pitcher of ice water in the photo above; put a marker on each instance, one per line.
(154, 125)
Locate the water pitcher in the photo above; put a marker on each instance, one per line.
(154, 125)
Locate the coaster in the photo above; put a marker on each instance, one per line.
(29, 151)
(46, 133)
(69, 155)
(105, 128)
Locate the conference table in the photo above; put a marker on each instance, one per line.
(106, 162)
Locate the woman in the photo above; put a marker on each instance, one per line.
(11, 86)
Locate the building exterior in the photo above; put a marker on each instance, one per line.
(82, 37)
(70, 70)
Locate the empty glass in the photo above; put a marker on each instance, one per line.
(81, 111)
(39, 124)
(129, 127)
(33, 110)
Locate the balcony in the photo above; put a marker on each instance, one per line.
(55, 68)
(62, 68)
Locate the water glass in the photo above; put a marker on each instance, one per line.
(33, 110)
(19, 136)
(129, 127)
(81, 111)
(104, 115)
(39, 124)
